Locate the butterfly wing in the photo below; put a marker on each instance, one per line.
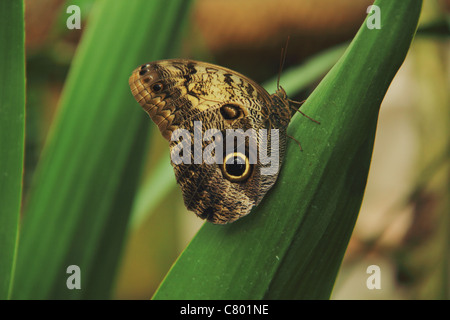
(196, 98)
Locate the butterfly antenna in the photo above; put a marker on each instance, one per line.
(282, 60)
(298, 142)
(302, 113)
(279, 70)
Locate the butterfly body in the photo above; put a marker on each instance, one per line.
(201, 97)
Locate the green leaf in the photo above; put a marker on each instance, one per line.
(12, 133)
(79, 205)
(154, 190)
(292, 245)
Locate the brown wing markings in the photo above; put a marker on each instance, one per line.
(200, 178)
(262, 94)
(211, 109)
(214, 87)
(211, 70)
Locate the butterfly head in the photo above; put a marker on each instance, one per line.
(281, 93)
(281, 111)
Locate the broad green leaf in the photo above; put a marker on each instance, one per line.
(12, 124)
(79, 205)
(292, 245)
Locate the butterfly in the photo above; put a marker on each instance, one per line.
(197, 106)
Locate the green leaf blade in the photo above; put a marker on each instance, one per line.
(81, 198)
(292, 245)
(12, 135)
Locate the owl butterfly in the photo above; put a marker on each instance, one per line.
(186, 99)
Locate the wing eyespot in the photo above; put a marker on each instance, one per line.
(236, 167)
(231, 111)
(157, 87)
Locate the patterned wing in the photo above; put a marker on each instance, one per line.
(197, 97)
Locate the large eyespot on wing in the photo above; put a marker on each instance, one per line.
(220, 192)
(236, 167)
(210, 196)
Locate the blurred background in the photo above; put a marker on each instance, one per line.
(404, 223)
